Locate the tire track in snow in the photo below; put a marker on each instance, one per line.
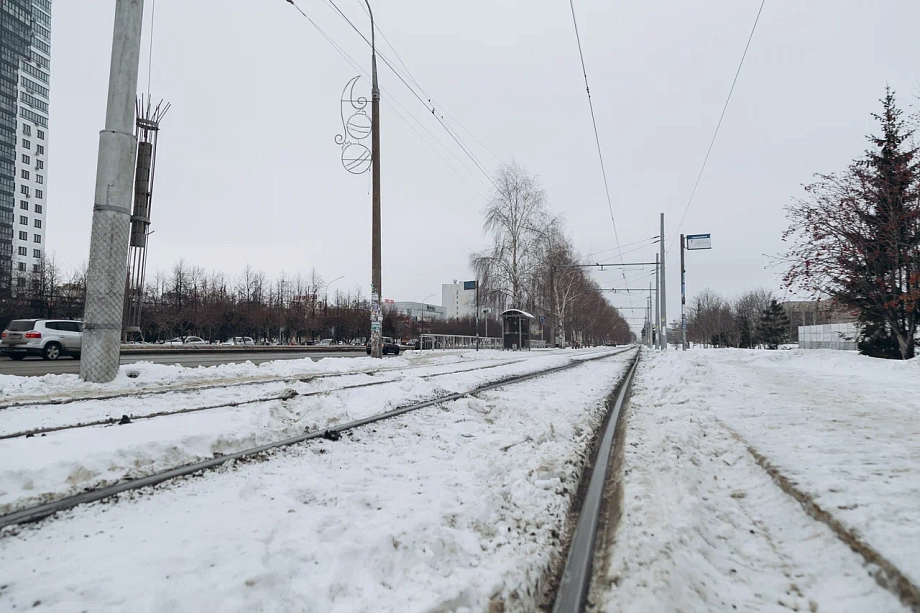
(888, 575)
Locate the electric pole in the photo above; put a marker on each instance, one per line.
(108, 250)
(683, 297)
(664, 294)
(376, 289)
(657, 326)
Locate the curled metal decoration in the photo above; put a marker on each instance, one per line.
(356, 157)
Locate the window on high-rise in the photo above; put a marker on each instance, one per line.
(24, 173)
(22, 266)
(26, 144)
(23, 236)
(24, 189)
(23, 220)
(41, 135)
(39, 178)
(37, 253)
(39, 194)
(24, 205)
(26, 159)
(37, 238)
(38, 223)
(23, 251)
(27, 129)
(38, 209)
(40, 149)
(39, 164)
(36, 267)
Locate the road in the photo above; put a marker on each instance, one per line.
(33, 367)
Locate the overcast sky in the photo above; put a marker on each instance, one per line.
(249, 173)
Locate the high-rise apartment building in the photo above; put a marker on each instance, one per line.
(25, 77)
(458, 302)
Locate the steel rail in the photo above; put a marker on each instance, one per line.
(38, 512)
(576, 577)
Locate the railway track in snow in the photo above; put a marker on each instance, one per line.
(42, 511)
(575, 581)
(258, 397)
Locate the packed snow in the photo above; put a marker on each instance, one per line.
(459, 506)
(705, 528)
(47, 467)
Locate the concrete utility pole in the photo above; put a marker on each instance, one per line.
(683, 297)
(376, 286)
(108, 250)
(663, 332)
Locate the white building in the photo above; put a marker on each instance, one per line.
(419, 311)
(31, 164)
(458, 302)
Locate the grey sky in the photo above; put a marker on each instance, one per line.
(249, 172)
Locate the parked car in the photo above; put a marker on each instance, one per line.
(187, 340)
(413, 343)
(326, 342)
(239, 340)
(387, 346)
(48, 338)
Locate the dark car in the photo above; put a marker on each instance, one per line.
(389, 346)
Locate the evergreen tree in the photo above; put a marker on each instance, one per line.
(774, 326)
(857, 238)
(747, 334)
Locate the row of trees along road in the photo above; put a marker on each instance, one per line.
(855, 236)
(753, 319)
(529, 245)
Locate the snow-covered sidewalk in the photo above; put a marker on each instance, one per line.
(704, 526)
(44, 468)
(454, 507)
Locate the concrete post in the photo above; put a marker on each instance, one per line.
(108, 251)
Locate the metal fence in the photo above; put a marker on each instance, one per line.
(455, 341)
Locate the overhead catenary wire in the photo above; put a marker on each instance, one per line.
(415, 93)
(597, 138)
(354, 64)
(718, 125)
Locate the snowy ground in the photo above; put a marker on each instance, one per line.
(449, 508)
(705, 528)
(43, 468)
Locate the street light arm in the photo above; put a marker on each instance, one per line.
(373, 48)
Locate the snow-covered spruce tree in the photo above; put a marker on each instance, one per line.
(773, 329)
(856, 238)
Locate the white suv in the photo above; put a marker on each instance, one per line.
(48, 338)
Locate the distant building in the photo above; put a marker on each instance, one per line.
(458, 302)
(418, 310)
(25, 42)
(814, 313)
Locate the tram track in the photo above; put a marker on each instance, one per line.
(286, 394)
(41, 511)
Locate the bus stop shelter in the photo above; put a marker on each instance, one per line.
(516, 329)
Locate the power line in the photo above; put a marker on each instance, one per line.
(358, 68)
(719, 124)
(431, 108)
(597, 138)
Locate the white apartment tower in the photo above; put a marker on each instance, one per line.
(25, 75)
(458, 302)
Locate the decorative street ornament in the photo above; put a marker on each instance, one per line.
(356, 127)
